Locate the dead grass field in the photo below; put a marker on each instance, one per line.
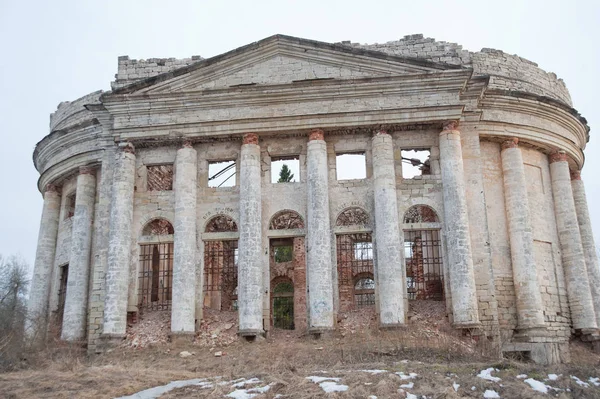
(285, 361)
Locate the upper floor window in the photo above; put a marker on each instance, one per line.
(351, 166)
(159, 177)
(222, 173)
(70, 205)
(285, 170)
(415, 162)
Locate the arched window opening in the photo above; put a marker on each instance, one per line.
(283, 305)
(354, 216)
(221, 224)
(156, 268)
(420, 214)
(286, 219)
(364, 292)
(158, 227)
(423, 257)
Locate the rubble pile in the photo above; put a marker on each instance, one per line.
(152, 328)
(358, 320)
(217, 328)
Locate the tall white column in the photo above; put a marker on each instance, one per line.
(578, 285)
(390, 271)
(318, 236)
(119, 243)
(184, 262)
(456, 225)
(587, 239)
(529, 299)
(250, 284)
(76, 300)
(37, 307)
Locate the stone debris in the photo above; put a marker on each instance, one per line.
(217, 328)
(185, 354)
(218, 354)
(152, 328)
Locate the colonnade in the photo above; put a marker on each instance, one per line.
(573, 224)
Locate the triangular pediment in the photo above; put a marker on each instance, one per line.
(281, 60)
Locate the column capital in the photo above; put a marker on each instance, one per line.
(127, 147)
(557, 156)
(510, 143)
(575, 175)
(187, 143)
(316, 134)
(250, 138)
(379, 132)
(51, 188)
(450, 126)
(87, 170)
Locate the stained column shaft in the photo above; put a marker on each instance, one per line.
(578, 286)
(37, 307)
(184, 257)
(318, 236)
(529, 300)
(121, 216)
(390, 273)
(250, 264)
(587, 240)
(76, 299)
(458, 239)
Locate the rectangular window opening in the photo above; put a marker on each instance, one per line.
(283, 253)
(62, 296)
(285, 170)
(70, 206)
(363, 250)
(159, 177)
(155, 276)
(222, 174)
(423, 260)
(415, 162)
(351, 166)
(221, 274)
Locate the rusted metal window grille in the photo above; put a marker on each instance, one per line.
(156, 276)
(354, 256)
(221, 270)
(423, 257)
(283, 306)
(62, 294)
(364, 292)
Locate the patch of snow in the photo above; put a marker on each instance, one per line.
(406, 376)
(156, 392)
(372, 397)
(487, 375)
(331, 386)
(248, 393)
(489, 393)
(473, 388)
(246, 382)
(455, 386)
(410, 385)
(368, 383)
(374, 371)
(581, 383)
(595, 381)
(317, 379)
(536, 385)
(411, 396)
(553, 377)
(522, 376)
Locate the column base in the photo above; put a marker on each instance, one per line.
(544, 353)
(320, 332)
(251, 335)
(182, 337)
(467, 325)
(391, 327)
(530, 334)
(110, 341)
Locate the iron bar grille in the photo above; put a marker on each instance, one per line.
(364, 292)
(423, 257)
(221, 272)
(354, 256)
(62, 294)
(156, 276)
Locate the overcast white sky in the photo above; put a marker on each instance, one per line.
(53, 51)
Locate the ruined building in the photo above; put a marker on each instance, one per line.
(463, 186)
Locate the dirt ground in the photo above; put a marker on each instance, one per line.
(357, 361)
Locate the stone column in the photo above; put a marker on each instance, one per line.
(578, 285)
(529, 300)
(37, 307)
(587, 240)
(75, 314)
(390, 272)
(250, 281)
(119, 244)
(184, 259)
(456, 224)
(318, 236)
